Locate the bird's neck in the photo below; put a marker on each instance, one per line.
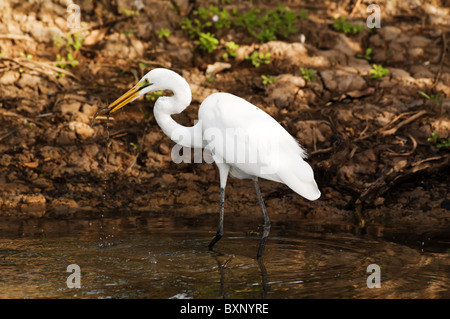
(182, 135)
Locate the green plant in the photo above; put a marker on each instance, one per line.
(440, 143)
(65, 63)
(378, 71)
(204, 19)
(72, 44)
(268, 25)
(308, 74)
(231, 50)
(259, 58)
(268, 79)
(435, 98)
(207, 41)
(26, 55)
(303, 14)
(163, 33)
(220, 18)
(193, 27)
(75, 40)
(264, 25)
(153, 96)
(341, 25)
(130, 13)
(367, 55)
(137, 147)
(201, 25)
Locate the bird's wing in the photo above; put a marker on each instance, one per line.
(246, 137)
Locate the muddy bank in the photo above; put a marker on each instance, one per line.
(368, 138)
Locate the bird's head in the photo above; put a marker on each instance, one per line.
(156, 80)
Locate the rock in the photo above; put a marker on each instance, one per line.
(66, 137)
(215, 68)
(340, 82)
(29, 80)
(9, 77)
(89, 109)
(286, 88)
(50, 152)
(415, 53)
(83, 130)
(421, 71)
(307, 129)
(42, 183)
(418, 41)
(347, 46)
(164, 148)
(33, 205)
(95, 36)
(68, 107)
(91, 150)
(168, 179)
(115, 47)
(45, 34)
(390, 33)
(401, 75)
(63, 207)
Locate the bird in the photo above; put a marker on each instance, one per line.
(243, 140)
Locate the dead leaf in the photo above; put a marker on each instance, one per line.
(31, 164)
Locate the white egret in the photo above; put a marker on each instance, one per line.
(244, 141)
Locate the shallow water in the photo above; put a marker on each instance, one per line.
(166, 256)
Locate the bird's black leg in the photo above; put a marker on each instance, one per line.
(219, 233)
(266, 226)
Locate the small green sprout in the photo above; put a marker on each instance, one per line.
(137, 147)
(268, 79)
(377, 72)
(259, 58)
(367, 55)
(213, 15)
(207, 41)
(231, 50)
(440, 143)
(308, 74)
(435, 98)
(163, 33)
(71, 61)
(26, 55)
(130, 13)
(341, 25)
(268, 25)
(75, 40)
(153, 96)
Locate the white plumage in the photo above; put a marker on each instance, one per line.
(244, 141)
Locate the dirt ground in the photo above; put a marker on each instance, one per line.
(368, 139)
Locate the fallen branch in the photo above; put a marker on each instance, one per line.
(406, 154)
(46, 68)
(384, 131)
(401, 172)
(11, 36)
(394, 130)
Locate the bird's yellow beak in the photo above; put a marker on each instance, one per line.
(124, 99)
(128, 96)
